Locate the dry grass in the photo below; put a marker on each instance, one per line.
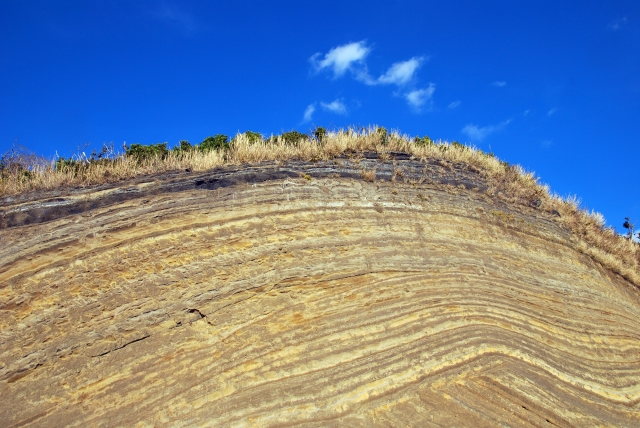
(510, 183)
(368, 175)
(45, 177)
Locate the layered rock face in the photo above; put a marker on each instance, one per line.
(305, 295)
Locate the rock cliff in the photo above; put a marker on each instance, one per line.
(343, 293)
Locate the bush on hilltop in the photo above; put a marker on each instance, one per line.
(141, 152)
(217, 142)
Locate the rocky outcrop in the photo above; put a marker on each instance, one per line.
(352, 293)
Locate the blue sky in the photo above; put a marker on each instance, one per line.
(553, 86)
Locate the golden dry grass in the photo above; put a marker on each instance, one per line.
(46, 177)
(508, 182)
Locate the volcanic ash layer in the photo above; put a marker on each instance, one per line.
(301, 294)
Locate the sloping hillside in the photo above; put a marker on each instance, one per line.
(346, 292)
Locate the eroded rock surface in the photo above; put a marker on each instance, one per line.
(303, 295)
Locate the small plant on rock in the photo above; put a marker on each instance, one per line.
(383, 134)
(320, 133)
(423, 142)
(368, 174)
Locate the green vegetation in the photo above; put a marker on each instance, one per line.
(320, 133)
(183, 147)
(459, 145)
(253, 137)
(423, 142)
(217, 142)
(142, 153)
(293, 137)
(383, 134)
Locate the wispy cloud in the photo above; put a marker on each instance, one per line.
(308, 113)
(618, 24)
(401, 73)
(174, 15)
(476, 133)
(552, 111)
(526, 113)
(336, 106)
(342, 58)
(546, 143)
(419, 97)
(351, 58)
(454, 104)
(499, 84)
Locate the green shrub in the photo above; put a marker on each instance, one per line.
(382, 134)
(183, 147)
(293, 137)
(141, 152)
(218, 142)
(253, 137)
(423, 142)
(69, 165)
(320, 133)
(27, 175)
(459, 146)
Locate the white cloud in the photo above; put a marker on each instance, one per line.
(476, 133)
(336, 106)
(419, 97)
(546, 143)
(552, 111)
(401, 73)
(351, 58)
(454, 104)
(342, 58)
(499, 84)
(618, 24)
(526, 113)
(308, 113)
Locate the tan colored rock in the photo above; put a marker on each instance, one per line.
(305, 295)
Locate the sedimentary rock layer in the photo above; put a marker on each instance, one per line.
(304, 295)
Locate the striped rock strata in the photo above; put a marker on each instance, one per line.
(303, 295)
